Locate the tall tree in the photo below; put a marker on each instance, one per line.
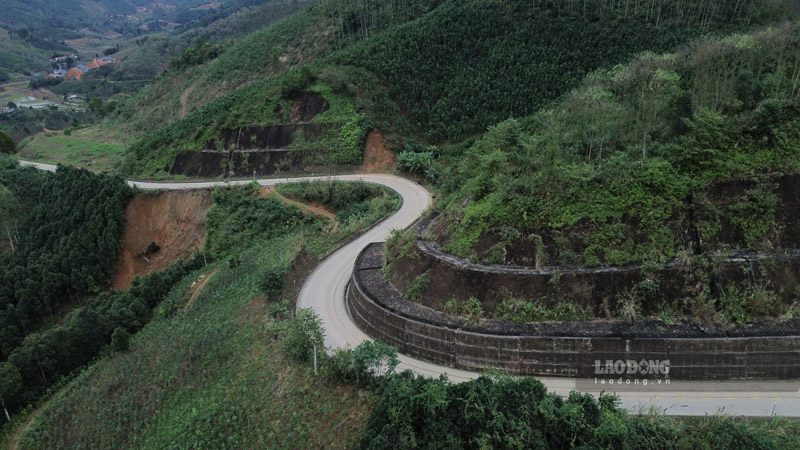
(10, 384)
(7, 144)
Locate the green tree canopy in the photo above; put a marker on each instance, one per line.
(10, 384)
(7, 144)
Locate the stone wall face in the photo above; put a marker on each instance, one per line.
(597, 289)
(758, 352)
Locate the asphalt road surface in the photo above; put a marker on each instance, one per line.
(324, 291)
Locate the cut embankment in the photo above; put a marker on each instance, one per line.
(173, 221)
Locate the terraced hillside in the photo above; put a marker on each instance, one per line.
(431, 71)
(682, 160)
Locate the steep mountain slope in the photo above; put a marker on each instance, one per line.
(146, 57)
(663, 167)
(439, 71)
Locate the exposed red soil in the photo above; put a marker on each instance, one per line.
(174, 220)
(378, 157)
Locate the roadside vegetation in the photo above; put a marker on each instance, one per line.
(230, 334)
(585, 133)
(233, 368)
(81, 147)
(619, 162)
(63, 233)
(678, 157)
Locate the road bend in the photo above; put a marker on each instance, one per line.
(324, 292)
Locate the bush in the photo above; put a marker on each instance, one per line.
(471, 308)
(7, 144)
(272, 282)
(120, 340)
(369, 361)
(303, 335)
(418, 287)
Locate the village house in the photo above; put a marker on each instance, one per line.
(59, 59)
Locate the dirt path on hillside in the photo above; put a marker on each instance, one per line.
(184, 97)
(315, 209)
(12, 441)
(197, 288)
(173, 220)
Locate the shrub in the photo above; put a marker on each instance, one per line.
(303, 335)
(120, 339)
(472, 308)
(272, 282)
(418, 287)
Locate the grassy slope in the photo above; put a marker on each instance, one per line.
(213, 374)
(97, 148)
(260, 55)
(20, 56)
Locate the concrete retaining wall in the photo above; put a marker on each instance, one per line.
(571, 350)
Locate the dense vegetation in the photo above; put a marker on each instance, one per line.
(236, 333)
(64, 238)
(239, 215)
(62, 233)
(24, 122)
(7, 144)
(496, 411)
(613, 173)
(102, 325)
(610, 169)
(352, 202)
(229, 333)
(674, 157)
(489, 61)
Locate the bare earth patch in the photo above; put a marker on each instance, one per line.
(377, 157)
(174, 220)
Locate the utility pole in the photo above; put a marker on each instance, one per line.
(315, 359)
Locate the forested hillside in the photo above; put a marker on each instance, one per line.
(578, 133)
(613, 163)
(223, 365)
(223, 348)
(437, 71)
(61, 237)
(145, 57)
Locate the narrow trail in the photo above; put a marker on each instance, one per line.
(308, 208)
(12, 441)
(197, 288)
(184, 97)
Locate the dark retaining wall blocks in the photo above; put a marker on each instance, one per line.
(570, 350)
(596, 289)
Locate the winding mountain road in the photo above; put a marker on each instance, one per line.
(324, 292)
